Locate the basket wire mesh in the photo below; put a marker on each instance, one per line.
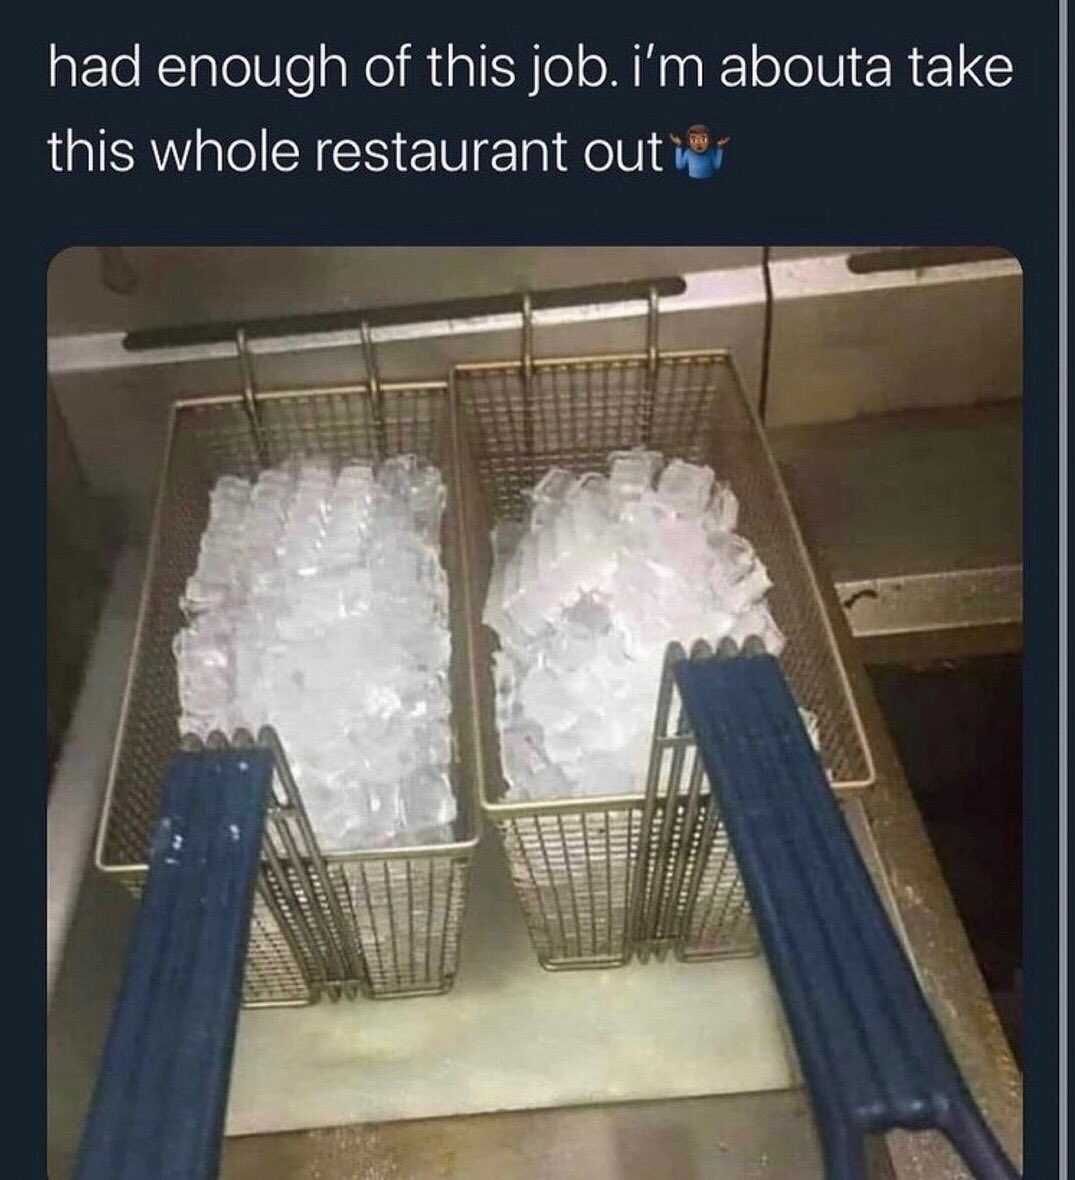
(610, 875)
(384, 922)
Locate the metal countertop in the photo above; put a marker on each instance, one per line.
(765, 1134)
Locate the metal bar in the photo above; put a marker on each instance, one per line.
(653, 359)
(351, 988)
(392, 924)
(920, 257)
(276, 876)
(306, 969)
(710, 823)
(307, 958)
(551, 876)
(654, 904)
(630, 876)
(528, 380)
(431, 873)
(250, 399)
(354, 965)
(375, 393)
(447, 916)
(694, 895)
(641, 874)
(335, 956)
(519, 853)
(588, 861)
(571, 883)
(608, 877)
(313, 323)
(373, 926)
(670, 916)
(410, 919)
(719, 356)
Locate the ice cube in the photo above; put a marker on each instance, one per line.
(565, 746)
(504, 539)
(759, 621)
(522, 750)
(733, 555)
(531, 606)
(339, 605)
(395, 476)
(723, 512)
(542, 698)
(632, 472)
(605, 773)
(587, 559)
(742, 589)
(380, 813)
(355, 478)
(685, 487)
(427, 802)
(548, 782)
(584, 607)
(548, 496)
(427, 500)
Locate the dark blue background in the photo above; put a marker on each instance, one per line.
(804, 166)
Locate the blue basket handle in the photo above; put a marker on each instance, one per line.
(162, 1086)
(872, 1054)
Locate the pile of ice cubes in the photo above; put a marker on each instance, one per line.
(586, 594)
(319, 605)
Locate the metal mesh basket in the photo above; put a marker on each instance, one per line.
(604, 877)
(384, 922)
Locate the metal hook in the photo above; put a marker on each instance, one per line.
(376, 396)
(653, 357)
(250, 396)
(528, 334)
(528, 375)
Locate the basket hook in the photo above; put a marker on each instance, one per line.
(376, 393)
(653, 357)
(528, 375)
(250, 396)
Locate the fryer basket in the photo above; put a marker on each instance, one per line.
(383, 922)
(608, 876)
